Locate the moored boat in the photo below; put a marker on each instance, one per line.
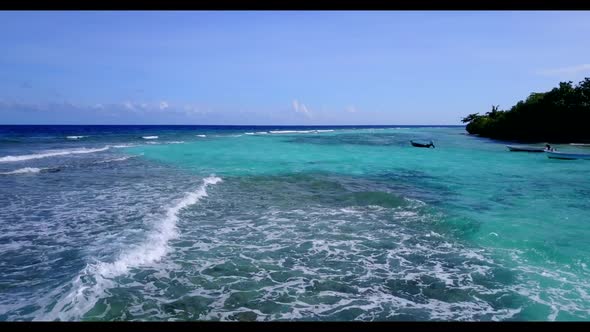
(568, 156)
(422, 145)
(524, 148)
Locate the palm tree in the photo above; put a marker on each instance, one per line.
(470, 117)
(494, 112)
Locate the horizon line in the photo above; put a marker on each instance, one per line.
(241, 125)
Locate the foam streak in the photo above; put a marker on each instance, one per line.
(84, 296)
(50, 154)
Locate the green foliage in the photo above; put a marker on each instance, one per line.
(470, 117)
(559, 115)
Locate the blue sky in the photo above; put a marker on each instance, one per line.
(281, 67)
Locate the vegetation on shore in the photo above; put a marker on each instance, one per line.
(560, 115)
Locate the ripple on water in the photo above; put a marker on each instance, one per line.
(361, 261)
(298, 247)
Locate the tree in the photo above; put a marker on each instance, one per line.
(494, 112)
(470, 117)
(559, 115)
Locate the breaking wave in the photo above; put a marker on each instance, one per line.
(89, 286)
(50, 154)
(23, 170)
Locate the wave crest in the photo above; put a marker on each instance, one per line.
(83, 297)
(50, 154)
(23, 170)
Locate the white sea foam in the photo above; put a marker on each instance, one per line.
(23, 171)
(291, 131)
(257, 133)
(123, 146)
(371, 298)
(405, 214)
(50, 154)
(149, 137)
(387, 251)
(201, 135)
(116, 159)
(175, 142)
(75, 137)
(157, 246)
(83, 296)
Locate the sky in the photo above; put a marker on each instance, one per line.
(281, 67)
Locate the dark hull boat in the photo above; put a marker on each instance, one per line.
(422, 145)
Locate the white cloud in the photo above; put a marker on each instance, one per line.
(142, 106)
(572, 70)
(301, 108)
(351, 109)
(129, 105)
(124, 109)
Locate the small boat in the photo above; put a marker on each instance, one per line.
(568, 156)
(422, 145)
(524, 148)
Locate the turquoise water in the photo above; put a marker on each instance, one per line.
(316, 224)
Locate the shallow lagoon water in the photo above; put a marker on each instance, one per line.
(255, 223)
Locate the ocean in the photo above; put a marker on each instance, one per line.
(176, 223)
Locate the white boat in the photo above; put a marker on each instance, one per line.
(565, 155)
(524, 148)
